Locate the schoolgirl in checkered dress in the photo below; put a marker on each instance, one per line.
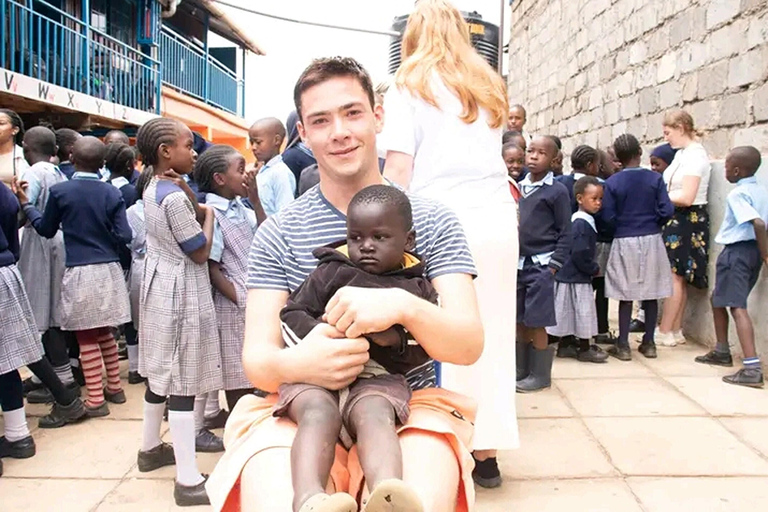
(179, 350)
(94, 298)
(220, 173)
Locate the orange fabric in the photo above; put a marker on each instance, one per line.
(251, 429)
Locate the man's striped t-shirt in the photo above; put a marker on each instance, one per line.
(281, 253)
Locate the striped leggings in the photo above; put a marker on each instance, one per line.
(95, 345)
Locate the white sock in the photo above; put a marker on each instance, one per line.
(212, 406)
(153, 420)
(641, 315)
(74, 362)
(183, 432)
(15, 424)
(133, 358)
(36, 380)
(199, 412)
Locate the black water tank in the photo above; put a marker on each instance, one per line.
(485, 39)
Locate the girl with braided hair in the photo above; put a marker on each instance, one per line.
(179, 350)
(120, 161)
(12, 162)
(636, 205)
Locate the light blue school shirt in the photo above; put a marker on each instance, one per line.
(277, 186)
(235, 210)
(746, 202)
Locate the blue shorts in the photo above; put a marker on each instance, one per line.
(738, 268)
(535, 296)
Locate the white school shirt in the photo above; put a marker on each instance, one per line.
(691, 161)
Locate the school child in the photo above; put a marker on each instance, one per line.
(41, 262)
(179, 351)
(514, 158)
(661, 158)
(576, 311)
(220, 174)
(516, 137)
(583, 163)
(376, 254)
(65, 139)
(743, 233)
(545, 225)
(636, 205)
(276, 182)
(138, 248)
(120, 161)
(93, 294)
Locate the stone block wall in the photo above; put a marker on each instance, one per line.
(589, 70)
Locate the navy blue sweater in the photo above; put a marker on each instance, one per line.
(130, 195)
(297, 159)
(92, 216)
(580, 267)
(67, 168)
(636, 203)
(545, 223)
(9, 232)
(604, 232)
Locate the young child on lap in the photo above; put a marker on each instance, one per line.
(376, 255)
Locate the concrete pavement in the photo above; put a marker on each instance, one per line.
(648, 435)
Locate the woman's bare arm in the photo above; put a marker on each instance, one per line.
(399, 168)
(687, 195)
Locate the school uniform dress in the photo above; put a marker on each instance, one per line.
(93, 292)
(738, 265)
(473, 182)
(179, 351)
(636, 205)
(686, 235)
(19, 339)
(138, 247)
(232, 236)
(574, 295)
(41, 260)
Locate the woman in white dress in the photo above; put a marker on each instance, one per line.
(443, 124)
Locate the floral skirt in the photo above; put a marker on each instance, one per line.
(686, 237)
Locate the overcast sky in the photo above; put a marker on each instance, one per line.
(290, 47)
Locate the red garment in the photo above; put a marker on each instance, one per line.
(514, 189)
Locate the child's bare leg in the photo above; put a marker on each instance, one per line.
(372, 422)
(316, 413)
(745, 331)
(523, 335)
(539, 337)
(720, 317)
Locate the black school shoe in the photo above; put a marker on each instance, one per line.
(21, 449)
(716, 358)
(61, 415)
(749, 377)
(208, 442)
(636, 325)
(593, 354)
(620, 353)
(486, 473)
(191, 496)
(156, 458)
(135, 378)
(29, 385)
(567, 350)
(606, 339)
(217, 421)
(648, 350)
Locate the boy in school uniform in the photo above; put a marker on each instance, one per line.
(275, 180)
(545, 225)
(743, 233)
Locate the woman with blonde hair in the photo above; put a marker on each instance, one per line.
(686, 236)
(444, 120)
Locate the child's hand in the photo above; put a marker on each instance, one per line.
(251, 186)
(19, 188)
(180, 182)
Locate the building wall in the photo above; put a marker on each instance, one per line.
(589, 70)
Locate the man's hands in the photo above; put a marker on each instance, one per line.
(358, 311)
(19, 188)
(328, 359)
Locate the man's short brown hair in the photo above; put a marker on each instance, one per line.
(322, 70)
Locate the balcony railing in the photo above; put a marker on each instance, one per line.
(186, 68)
(68, 53)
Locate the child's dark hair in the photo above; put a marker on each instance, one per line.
(16, 122)
(41, 140)
(509, 135)
(747, 157)
(582, 156)
(144, 178)
(386, 195)
(557, 141)
(65, 138)
(215, 160)
(626, 147)
(509, 145)
(153, 133)
(322, 70)
(585, 181)
(118, 157)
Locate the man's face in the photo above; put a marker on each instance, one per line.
(516, 120)
(340, 126)
(377, 238)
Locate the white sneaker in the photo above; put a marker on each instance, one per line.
(665, 339)
(679, 337)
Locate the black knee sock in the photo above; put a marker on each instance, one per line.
(583, 344)
(601, 304)
(45, 372)
(651, 308)
(152, 398)
(11, 391)
(181, 403)
(233, 395)
(625, 317)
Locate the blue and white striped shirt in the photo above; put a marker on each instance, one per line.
(281, 253)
